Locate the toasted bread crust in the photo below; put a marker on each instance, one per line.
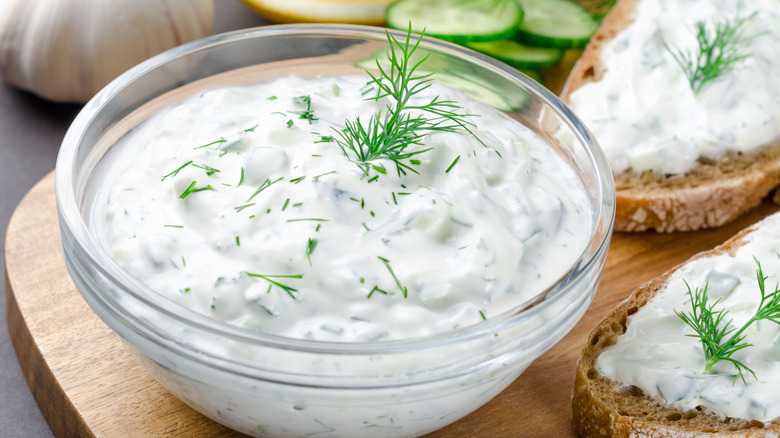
(714, 193)
(602, 407)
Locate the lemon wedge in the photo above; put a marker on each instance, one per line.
(322, 11)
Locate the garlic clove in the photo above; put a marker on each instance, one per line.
(67, 50)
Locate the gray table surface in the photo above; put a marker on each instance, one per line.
(31, 130)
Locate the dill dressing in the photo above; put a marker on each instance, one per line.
(239, 204)
(646, 114)
(655, 354)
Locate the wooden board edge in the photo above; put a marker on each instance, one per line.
(61, 415)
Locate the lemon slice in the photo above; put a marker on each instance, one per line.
(322, 11)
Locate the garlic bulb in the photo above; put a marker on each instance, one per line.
(67, 50)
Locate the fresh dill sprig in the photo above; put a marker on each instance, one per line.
(388, 134)
(721, 46)
(712, 331)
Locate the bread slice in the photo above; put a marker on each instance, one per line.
(712, 194)
(602, 407)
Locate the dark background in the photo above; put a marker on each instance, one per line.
(31, 130)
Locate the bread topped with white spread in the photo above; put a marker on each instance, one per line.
(688, 151)
(643, 371)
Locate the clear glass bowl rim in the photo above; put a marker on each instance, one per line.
(71, 216)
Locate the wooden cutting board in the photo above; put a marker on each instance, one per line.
(87, 384)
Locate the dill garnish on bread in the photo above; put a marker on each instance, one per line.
(684, 98)
(693, 353)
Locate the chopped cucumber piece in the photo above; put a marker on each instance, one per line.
(559, 24)
(519, 55)
(459, 21)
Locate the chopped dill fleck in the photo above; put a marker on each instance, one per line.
(271, 98)
(297, 204)
(221, 140)
(241, 179)
(267, 309)
(453, 164)
(286, 203)
(192, 189)
(308, 219)
(241, 207)
(318, 227)
(267, 183)
(307, 114)
(325, 139)
(290, 123)
(310, 245)
(482, 314)
(373, 178)
(297, 180)
(376, 289)
(397, 281)
(176, 172)
(209, 170)
(323, 174)
(366, 227)
(252, 129)
(270, 279)
(174, 226)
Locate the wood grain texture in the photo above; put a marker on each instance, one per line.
(88, 385)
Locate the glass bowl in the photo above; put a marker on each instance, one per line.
(267, 385)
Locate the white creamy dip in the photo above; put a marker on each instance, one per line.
(645, 115)
(235, 204)
(656, 355)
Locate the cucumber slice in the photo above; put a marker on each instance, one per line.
(519, 55)
(559, 24)
(458, 21)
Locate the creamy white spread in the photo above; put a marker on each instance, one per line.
(238, 204)
(656, 355)
(643, 111)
